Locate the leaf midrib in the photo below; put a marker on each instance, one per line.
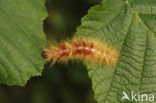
(137, 15)
(148, 29)
(116, 64)
(143, 65)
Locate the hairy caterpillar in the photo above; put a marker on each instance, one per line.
(87, 49)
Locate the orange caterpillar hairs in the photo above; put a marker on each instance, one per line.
(87, 49)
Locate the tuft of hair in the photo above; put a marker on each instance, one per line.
(90, 50)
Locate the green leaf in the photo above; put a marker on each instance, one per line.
(21, 40)
(130, 26)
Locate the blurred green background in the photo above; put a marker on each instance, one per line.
(60, 83)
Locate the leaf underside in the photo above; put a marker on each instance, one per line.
(130, 26)
(21, 40)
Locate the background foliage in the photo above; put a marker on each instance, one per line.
(21, 40)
